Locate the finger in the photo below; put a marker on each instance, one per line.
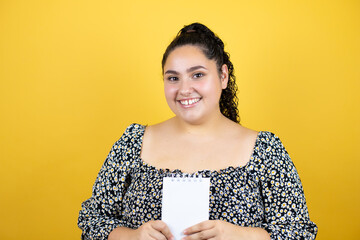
(206, 234)
(198, 227)
(163, 228)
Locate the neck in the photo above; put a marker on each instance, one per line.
(209, 127)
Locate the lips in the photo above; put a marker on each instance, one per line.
(189, 102)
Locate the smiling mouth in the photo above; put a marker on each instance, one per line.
(188, 102)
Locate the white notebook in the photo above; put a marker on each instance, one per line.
(185, 203)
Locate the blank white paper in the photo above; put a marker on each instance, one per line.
(185, 203)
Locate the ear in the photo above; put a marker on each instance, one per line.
(224, 77)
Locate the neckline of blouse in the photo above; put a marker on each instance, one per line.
(206, 172)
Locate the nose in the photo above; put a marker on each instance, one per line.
(186, 87)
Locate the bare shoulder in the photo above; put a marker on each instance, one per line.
(243, 133)
(154, 141)
(155, 134)
(249, 133)
(158, 130)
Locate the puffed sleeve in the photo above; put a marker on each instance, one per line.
(286, 213)
(101, 213)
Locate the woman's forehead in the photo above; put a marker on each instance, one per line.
(186, 57)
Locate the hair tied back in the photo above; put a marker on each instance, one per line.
(212, 46)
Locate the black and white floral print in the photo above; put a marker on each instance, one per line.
(266, 192)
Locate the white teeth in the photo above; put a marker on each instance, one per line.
(191, 101)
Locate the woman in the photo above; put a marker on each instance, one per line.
(256, 192)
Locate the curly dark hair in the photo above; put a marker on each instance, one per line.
(211, 45)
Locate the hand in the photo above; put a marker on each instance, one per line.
(154, 230)
(221, 230)
(211, 229)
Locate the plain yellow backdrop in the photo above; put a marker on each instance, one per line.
(74, 74)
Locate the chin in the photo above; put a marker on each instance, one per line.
(192, 120)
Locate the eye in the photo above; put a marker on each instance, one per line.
(198, 75)
(172, 78)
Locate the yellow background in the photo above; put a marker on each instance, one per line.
(74, 74)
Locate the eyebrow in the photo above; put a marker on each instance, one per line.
(188, 70)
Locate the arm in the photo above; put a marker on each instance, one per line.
(101, 213)
(286, 213)
(100, 216)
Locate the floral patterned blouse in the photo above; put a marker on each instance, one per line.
(266, 192)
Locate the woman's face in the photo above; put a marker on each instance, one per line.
(193, 85)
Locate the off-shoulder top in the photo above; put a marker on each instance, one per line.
(266, 192)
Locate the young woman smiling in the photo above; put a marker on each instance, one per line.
(256, 192)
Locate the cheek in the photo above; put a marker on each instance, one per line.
(170, 91)
(204, 86)
(211, 88)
